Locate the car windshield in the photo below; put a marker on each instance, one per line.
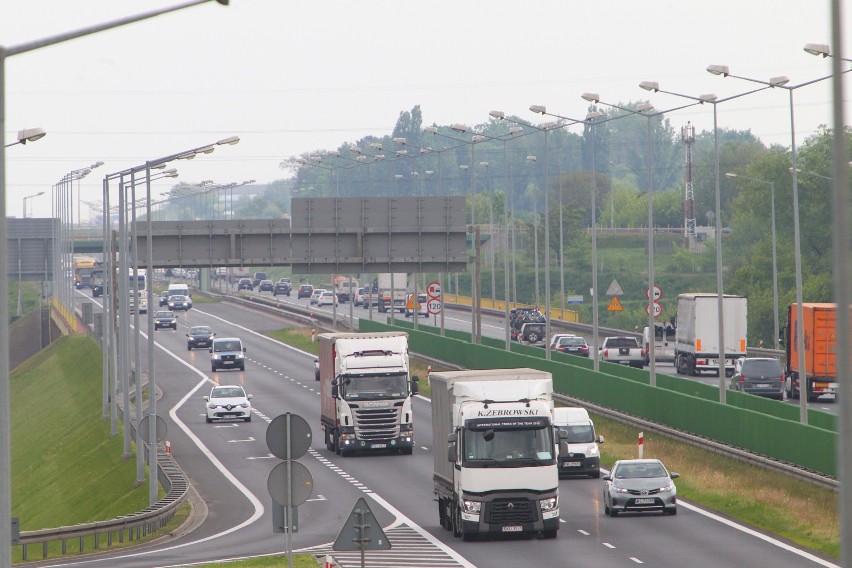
(579, 434)
(165, 314)
(200, 331)
(373, 387)
(507, 445)
(639, 470)
(177, 298)
(762, 368)
(227, 392)
(227, 346)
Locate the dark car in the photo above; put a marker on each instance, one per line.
(165, 319)
(245, 284)
(281, 287)
(759, 375)
(258, 276)
(199, 336)
(305, 291)
(574, 345)
(265, 286)
(164, 298)
(179, 302)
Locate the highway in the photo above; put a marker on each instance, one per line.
(228, 464)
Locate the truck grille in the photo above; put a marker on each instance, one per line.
(376, 423)
(514, 511)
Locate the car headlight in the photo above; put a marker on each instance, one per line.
(592, 451)
(217, 356)
(211, 406)
(549, 504)
(620, 490)
(667, 488)
(241, 356)
(244, 404)
(472, 506)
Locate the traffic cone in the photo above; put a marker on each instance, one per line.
(168, 447)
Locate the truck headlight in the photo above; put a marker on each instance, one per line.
(241, 356)
(472, 506)
(549, 504)
(592, 451)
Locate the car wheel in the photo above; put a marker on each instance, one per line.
(672, 511)
(247, 418)
(209, 420)
(613, 513)
(532, 337)
(595, 475)
(213, 368)
(607, 510)
(242, 367)
(189, 348)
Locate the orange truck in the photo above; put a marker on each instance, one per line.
(819, 326)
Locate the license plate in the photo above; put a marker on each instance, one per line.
(228, 362)
(821, 385)
(643, 501)
(763, 385)
(571, 464)
(512, 529)
(378, 445)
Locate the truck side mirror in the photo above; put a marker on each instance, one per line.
(415, 387)
(452, 454)
(563, 435)
(334, 391)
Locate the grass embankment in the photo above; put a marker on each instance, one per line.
(66, 468)
(299, 561)
(771, 502)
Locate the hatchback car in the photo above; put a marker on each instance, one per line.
(281, 287)
(316, 294)
(326, 298)
(180, 303)
(227, 353)
(759, 375)
(265, 286)
(257, 278)
(574, 345)
(637, 486)
(228, 401)
(165, 319)
(305, 291)
(245, 284)
(164, 298)
(199, 336)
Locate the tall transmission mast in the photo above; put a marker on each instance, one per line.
(688, 135)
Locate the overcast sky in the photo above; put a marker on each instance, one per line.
(293, 77)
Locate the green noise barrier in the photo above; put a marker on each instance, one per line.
(763, 426)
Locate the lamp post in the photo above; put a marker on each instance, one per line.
(30, 197)
(771, 185)
(5, 437)
(781, 82)
(532, 160)
(654, 86)
(28, 135)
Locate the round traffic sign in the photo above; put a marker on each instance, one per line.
(145, 429)
(658, 309)
(299, 434)
(433, 290)
(300, 481)
(658, 293)
(434, 307)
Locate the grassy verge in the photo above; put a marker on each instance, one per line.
(771, 502)
(66, 468)
(299, 561)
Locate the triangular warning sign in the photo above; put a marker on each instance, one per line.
(614, 305)
(361, 531)
(614, 289)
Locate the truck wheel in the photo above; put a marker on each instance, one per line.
(406, 451)
(457, 526)
(549, 534)
(443, 519)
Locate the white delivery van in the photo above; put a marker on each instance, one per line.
(179, 290)
(579, 454)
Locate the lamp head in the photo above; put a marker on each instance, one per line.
(515, 129)
(818, 49)
(402, 152)
(593, 115)
(531, 158)
(206, 150)
(538, 109)
(730, 174)
(645, 107)
(591, 97)
(477, 138)
(779, 81)
(463, 166)
(484, 164)
(399, 140)
(650, 86)
(31, 135)
(231, 140)
(497, 114)
(376, 145)
(430, 130)
(425, 150)
(95, 165)
(398, 176)
(549, 125)
(719, 70)
(334, 153)
(355, 150)
(708, 98)
(459, 127)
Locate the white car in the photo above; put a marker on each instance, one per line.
(228, 401)
(326, 298)
(315, 295)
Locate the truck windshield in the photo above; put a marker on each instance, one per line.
(372, 387)
(579, 433)
(507, 447)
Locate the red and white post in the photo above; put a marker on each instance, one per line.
(641, 445)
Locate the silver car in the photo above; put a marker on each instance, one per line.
(637, 486)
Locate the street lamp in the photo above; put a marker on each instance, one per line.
(771, 185)
(30, 197)
(654, 86)
(28, 135)
(781, 82)
(532, 160)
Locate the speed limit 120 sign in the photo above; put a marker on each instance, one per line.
(658, 309)
(434, 306)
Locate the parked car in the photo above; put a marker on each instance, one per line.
(180, 303)
(199, 336)
(164, 298)
(326, 298)
(165, 319)
(282, 287)
(228, 401)
(763, 376)
(227, 353)
(316, 294)
(574, 345)
(245, 284)
(638, 486)
(265, 286)
(258, 276)
(305, 291)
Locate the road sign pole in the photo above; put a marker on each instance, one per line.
(289, 518)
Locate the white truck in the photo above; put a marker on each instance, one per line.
(497, 472)
(392, 290)
(697, 334)
(366, 391)
(579, 453)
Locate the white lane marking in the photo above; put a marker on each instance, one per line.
(586, 533)
(636, 560)
(250, 439)
(608, 545)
